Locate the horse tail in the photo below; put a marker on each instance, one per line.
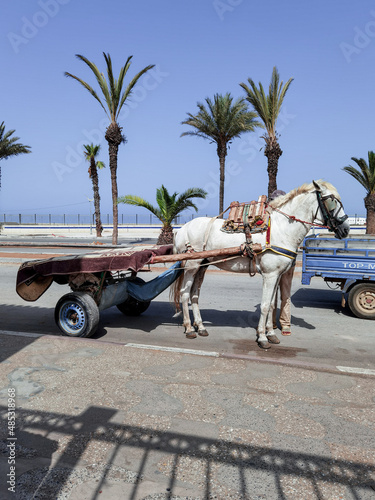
(175, 290)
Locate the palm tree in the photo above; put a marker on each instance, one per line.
(365, 175)
(9, 145)
(221, 122)
(268, 108)
(114, 99)
(169, 207)
(91, 152)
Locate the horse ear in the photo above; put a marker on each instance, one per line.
(317, 187)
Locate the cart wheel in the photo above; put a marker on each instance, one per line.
(77, 315)
(132, 306)
(362, 300)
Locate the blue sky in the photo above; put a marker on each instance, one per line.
(199, 47)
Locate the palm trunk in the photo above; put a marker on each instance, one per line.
(273, 153)
(370, 209)
(95, 188)
(166, 236)
(114, 138)
(113, 152)
(222, 153)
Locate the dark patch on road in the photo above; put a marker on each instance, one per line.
(246, 346)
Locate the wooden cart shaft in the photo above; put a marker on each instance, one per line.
(206, 254)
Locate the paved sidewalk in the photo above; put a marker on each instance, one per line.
(100, 420)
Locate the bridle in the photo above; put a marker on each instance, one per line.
(330, 206)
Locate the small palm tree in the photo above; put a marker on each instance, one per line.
(91, 152)
(114, 99)
(268, 108)
(9, 145)
(220, 122)
(169, 207)
(365, 175)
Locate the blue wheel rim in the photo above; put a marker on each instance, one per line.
(72, 318)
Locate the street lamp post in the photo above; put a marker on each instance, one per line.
(90, 200)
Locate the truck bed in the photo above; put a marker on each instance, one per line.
(352, 258)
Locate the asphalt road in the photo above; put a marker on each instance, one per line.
(323, 334)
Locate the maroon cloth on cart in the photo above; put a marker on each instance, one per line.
(35, 277)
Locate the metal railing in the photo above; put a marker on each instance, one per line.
(84, 219)
(107, 219)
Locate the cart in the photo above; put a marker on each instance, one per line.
(349, 264)
(99, 280)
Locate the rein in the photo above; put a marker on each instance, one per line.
(295, 219)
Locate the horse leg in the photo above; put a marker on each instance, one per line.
(270, 283)
(194, 297)
(189, 275)
(274, 311)
(270, 329)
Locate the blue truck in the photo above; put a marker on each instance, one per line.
(348, 263)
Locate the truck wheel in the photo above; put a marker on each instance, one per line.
(132, 306)
(77, 315)
(362, 300)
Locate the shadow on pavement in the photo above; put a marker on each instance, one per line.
(317, 298)
(7, 351)
(36, 319)
(221, 461)
(158, 325)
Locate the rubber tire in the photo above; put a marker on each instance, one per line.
(356, 297)
(132, 306)
(86, 308)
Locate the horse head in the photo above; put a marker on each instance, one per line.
(331, 209)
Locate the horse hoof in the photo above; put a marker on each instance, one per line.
(273, 339)
(263, 345)
(203, 333)
(191, 335)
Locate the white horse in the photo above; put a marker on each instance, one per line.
(291, 218)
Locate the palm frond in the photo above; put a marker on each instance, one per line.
(257, 98)
(131, 85)
(169, 205)
(140, 202)
(9, 145)
(357, 175)
(91, 150)
(99, 78)
(89, 88)
(267, 106)
(192, 193)
(221, 119)
(112, 89)
(365, 175)
(184, 201)
(120, 81)
(196, 133)
(111, 79)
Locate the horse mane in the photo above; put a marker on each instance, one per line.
(305, 188)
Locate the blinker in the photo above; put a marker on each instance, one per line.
(330, 203)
